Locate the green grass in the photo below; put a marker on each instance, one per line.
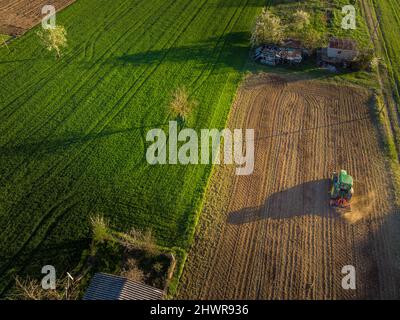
(389, 12)
(4, 37)
(3, 40)
(326, 17)
(72, 131)
(389, 18)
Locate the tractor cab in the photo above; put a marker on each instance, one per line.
(341, 189)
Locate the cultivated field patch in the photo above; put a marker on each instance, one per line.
(18, 16)
(273, 235)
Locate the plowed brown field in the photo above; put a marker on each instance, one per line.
(18, 16)
(272, 235)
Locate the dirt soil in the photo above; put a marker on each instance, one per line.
(272, 235)
(18, 16)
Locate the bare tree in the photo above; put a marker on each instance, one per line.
(181, 105)
(54, 39)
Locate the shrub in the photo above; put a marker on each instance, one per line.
(132, 271)
(365, 60)
(99, 229)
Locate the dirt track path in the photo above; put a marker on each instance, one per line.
(272, 235)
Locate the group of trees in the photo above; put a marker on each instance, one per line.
(269, 28)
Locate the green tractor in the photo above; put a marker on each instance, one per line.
(341, 190)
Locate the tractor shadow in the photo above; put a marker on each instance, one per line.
(310, 198)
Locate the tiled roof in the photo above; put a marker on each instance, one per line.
(344, 44)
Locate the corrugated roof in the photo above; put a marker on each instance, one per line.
(105, 286)
(344, 44)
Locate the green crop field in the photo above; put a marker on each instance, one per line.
(389, 12)
(72, 131)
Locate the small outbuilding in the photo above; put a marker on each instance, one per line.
(342, 49)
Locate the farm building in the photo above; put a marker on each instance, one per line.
(105, 286)
(289, 52)
(339, 51)
(343, 49)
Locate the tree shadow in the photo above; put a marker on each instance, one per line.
(219, 54)
(310, 198)
(51, 146)
(222, 51)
